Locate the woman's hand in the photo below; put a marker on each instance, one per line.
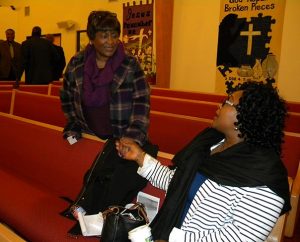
(130, 150)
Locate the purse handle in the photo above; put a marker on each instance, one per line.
(141, 209)
(116, 209)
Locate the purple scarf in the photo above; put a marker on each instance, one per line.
(96, 83)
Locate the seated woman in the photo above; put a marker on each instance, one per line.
(229, 183)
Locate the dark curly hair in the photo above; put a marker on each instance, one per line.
(102, 21)
(261, 115)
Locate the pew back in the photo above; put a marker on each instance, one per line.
(293, 106)
(54, 90)
(37, 168)
(291, 152)
(6, 87)
(64, 162)
(201, 96)
(194, 108)
(292, 123)
(42, 151)
(42, 89)
(172, 131)
(57, 83)
(42, 167)
(5, 101)
(7, 82)
(39, 107)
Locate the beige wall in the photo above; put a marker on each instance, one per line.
(194, 49)
(195, 42)
(289, 78)
(195, 37)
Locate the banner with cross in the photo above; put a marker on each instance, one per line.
(138, 35)
(249, 41)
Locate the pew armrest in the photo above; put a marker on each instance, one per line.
(292, 215)
(276, 234)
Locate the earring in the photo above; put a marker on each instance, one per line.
(236, 128)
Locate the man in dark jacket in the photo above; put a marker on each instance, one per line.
(61, 63)
(10, 57)
(39, 57)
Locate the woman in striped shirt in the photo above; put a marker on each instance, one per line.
(229, 183)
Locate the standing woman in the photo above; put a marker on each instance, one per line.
(105, 93)
(104, 90)
(229, 184)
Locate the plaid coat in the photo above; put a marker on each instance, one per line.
(129, 104)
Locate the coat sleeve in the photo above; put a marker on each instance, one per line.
(139, 119)
(68, 101)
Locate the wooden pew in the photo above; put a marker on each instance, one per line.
(294, 106)
(200, 96)
(39, 107)
(37, 167)
(42, 89)
(172, 131)
(291, 159)
(7, 82)
(202, 109)
(54, 90)
(291, 152)
(5, 101)
(42, 167)
(41, 176)
(194, 108)
(295, 202)
(6, 87)
(293, 122)
(169, 131)
(57, 82)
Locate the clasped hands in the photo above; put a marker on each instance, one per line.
(130, 150)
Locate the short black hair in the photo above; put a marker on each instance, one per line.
(9, 30)
(36, 31)
(102, 21)
(261, 115)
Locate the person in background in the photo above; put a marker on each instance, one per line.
(105, 94)
(229, 184)
(39, 57)
(61, 63)
(10, 57)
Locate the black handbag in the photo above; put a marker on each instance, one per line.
(118, 221)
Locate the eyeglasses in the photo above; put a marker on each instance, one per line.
(228, 103)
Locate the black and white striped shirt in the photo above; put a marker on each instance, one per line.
(218, 212)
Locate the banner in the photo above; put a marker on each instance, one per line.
(249, 41)
(138, 35)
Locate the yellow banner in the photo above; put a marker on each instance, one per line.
(249, 41)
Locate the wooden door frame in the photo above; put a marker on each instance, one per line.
(164, 24)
